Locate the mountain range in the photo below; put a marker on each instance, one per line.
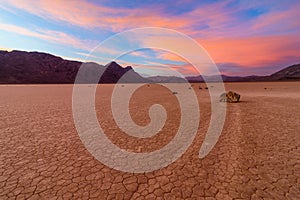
(20, 67)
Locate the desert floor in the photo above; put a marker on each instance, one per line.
(257, 155)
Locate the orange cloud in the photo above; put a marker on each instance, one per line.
(253, 51)
(170, 57)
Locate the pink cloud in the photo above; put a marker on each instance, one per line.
(89, 15)
(253, 51)
(217, 18)
(278, 21)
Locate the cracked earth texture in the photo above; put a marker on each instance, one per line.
(256, 157)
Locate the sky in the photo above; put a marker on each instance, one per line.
(242, 37)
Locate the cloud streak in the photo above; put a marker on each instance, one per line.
(47, 35)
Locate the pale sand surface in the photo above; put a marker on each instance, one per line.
(256, 157)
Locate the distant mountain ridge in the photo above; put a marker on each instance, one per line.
(20, 67)
(167, 79)
(290, 73)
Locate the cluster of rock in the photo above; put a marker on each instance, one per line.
(230, 97)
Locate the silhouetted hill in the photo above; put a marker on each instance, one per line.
(35, 67)
(20, 67)
(288, 73)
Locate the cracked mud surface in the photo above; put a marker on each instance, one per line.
(256, 157)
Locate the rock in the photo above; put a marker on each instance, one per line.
(175, 92)
(230, 97)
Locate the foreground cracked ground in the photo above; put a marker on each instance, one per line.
(256, 157)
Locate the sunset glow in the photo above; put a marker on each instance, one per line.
(242, 37)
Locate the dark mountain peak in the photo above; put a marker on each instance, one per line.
(128, 68)
(112, 63)
(114, 66)
(114, 72)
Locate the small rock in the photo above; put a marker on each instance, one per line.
(230, 97)
(175, 92)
